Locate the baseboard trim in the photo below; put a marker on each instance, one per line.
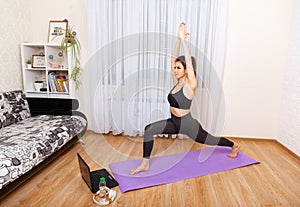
(268, 140)
(288, 150)
(251, 138)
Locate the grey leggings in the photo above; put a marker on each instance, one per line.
(180, 125)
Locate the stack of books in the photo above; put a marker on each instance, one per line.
(58, 82)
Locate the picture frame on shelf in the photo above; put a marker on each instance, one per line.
(57, 30)
(38, 61)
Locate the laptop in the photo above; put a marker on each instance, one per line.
(92, 178)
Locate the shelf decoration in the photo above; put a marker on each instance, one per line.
(28, 63)
(56, 31)
(54, 63)
(38, 61)
(38, 84)
(70, 41)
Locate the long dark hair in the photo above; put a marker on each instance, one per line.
(181, 59)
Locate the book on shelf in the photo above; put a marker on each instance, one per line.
(58, 82)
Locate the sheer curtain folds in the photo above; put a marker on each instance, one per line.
(130, 43)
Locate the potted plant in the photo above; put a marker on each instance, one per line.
(71, 42)
(28, 63)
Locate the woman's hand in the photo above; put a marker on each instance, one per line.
(182, 33)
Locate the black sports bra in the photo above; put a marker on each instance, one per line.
(178, 100)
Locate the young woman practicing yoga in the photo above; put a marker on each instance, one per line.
(180, 99)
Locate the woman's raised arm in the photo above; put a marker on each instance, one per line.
(173, 58)
(192, 81)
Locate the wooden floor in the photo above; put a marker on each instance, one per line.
(273, 182)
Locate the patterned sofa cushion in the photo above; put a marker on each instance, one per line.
(26, 143)
(13, 108)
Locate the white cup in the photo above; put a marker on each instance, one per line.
(38, 86)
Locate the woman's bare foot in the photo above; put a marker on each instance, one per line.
(144, 166)
(235, 151)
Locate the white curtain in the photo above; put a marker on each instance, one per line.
(130, 43)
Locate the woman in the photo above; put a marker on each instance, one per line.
(180, 99)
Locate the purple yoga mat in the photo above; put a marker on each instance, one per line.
(171, 168)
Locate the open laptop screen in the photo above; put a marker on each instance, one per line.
(85, 171)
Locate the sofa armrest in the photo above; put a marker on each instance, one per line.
(78, 113)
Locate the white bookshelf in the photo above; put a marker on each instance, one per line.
(58, 85)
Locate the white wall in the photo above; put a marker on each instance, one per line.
(15, 28)
(257, 44)
(289, 122)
